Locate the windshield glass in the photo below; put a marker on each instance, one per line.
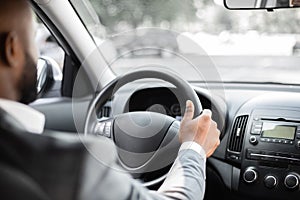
(243, 46)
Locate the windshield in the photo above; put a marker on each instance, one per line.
(189, 35)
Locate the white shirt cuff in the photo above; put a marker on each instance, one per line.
(193, 146)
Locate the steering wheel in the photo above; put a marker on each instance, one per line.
(146, 141)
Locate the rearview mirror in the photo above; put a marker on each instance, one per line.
(260, 4)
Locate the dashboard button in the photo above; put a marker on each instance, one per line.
(107, 129)
(99, 128)
(298, 144)
(234, 157)
(253, 140)
(255, 132)
(256, 128)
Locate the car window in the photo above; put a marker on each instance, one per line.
(243, 46)
(48, 46)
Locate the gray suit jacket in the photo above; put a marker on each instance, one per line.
(64, 166)
(104, 180)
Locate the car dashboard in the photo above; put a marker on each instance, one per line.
(259, 154)
(263, 146)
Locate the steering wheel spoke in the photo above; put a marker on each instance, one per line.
(104, 127)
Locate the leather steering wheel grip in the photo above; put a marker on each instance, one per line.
(184, 91)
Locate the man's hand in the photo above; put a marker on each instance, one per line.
(202, 130)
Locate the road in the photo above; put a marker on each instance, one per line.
(283, 69)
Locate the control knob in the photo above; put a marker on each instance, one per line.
(291, 181)
(250, 175)
(270, 181)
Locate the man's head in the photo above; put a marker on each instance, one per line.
(18, 54)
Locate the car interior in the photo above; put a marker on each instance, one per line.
(126, 65)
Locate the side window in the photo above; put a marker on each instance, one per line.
(48, 46)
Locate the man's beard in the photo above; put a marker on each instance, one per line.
(28, 82)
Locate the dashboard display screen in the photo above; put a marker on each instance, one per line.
(273, 130)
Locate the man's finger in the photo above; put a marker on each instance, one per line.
(189, 111)
(207, 112)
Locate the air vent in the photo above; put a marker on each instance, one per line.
(105, 112)
(237, 134)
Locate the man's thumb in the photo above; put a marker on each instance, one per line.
(189, 111)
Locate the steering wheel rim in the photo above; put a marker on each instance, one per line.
(186, 92)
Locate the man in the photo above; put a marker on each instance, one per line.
(294, 3)
(59, 167)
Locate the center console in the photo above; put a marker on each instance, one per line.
(269, 156)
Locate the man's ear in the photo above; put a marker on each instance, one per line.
(13, 53)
